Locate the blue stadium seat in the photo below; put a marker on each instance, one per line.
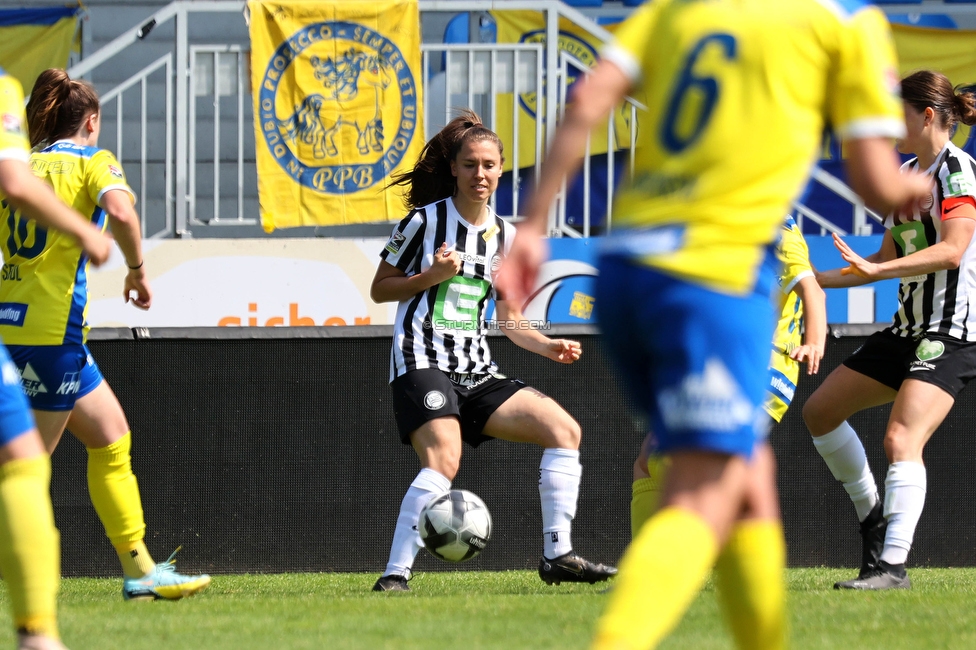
(584, 3)
(457, 30)
(959, 2)
(897, 2)
(633, 3)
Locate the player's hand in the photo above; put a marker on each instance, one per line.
(858, 265)
(516, 278)
(136, 282)
(446, 265)
(563, 350)
(96, 244)
(810, 355)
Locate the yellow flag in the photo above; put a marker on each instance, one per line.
(530, 27)
(949, 51)
(337, 101)
(33, 40)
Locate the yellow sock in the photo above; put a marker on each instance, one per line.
(115, 495)
(646, 493)
(660, 574)
(30, 547)
(644, 498)
(751, 584)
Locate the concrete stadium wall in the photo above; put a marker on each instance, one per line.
(279, 453)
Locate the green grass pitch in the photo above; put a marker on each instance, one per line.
(474, 610)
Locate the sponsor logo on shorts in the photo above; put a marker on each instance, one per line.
(468, 380)
(70, 384)
(928, 350)
(709, 401)
(434, 400)
(31, 383)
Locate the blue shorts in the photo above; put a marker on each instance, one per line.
(55, 376)
(15, 413)
(696, 361)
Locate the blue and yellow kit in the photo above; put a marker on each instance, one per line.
(15, 417)
(44, 289)
(760, 79)
(794, 256)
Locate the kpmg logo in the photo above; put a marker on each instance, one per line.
(358, 109)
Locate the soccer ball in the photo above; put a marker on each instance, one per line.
(455, 526)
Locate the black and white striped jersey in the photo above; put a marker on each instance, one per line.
(444, 326)
(941, 301)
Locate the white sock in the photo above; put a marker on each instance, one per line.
(844, 454)
(904, 500)
(406, 538)
(559, 481)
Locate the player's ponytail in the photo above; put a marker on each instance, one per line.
(965, 105)
(58, 106)
(431, 179)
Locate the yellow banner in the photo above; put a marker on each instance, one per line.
(33, 40)
(951, 52)
(530, 27)
(337, 102)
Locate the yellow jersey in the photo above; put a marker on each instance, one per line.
(739, 94)
(794, 256)
(44, 287)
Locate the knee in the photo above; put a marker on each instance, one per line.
(446, 464)
(568, 433)
(900, 445)
(815, 417)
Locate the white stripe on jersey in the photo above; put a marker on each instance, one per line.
(444, 326)
(940, 301)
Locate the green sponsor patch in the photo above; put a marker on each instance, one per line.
(928, 350)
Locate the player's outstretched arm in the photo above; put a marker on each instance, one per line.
(522, 333)
(874, 171)
(844, 277)
(946, 254)
(124, 222)
(814, 324)
(37, 200)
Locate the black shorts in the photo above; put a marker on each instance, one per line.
(936, 359)
(423, 395)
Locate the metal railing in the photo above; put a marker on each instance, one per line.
(190, 174)
(183, 125)
(114, 110)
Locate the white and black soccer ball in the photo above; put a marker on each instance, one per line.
(455, 526)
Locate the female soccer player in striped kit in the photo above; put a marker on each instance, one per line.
(928, 354)
(45, 325)
(439, 266)
(29, 545)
